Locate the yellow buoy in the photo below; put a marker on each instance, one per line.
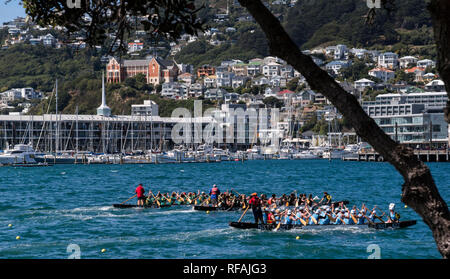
(10, 225)
(103, 250)
(406, 206)
(298, 237)
(17, 237)
(207, 212)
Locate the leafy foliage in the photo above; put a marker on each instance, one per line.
(95, 19)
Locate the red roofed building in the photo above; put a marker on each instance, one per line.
(382, 73)
(156, 70)
(135, 46)
(418, 72)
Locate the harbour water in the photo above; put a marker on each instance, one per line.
(51, 208)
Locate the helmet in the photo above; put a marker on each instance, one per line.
(391, 206)
(289, 212)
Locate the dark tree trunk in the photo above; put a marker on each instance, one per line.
(440, 15)
(419, 190)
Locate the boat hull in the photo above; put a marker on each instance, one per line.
(214, 208)
(269, 227)
(136, 206)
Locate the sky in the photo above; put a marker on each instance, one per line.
(10, 10)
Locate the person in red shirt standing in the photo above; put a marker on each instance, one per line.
(255, 203)
(140, 195)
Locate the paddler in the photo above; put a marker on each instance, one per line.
(273, 200)
(326, 200)
(149, 201)
(323, 217)
(271, 216)
(339, 217)
(393, 216)
(214, 193)
(314, 216)
(361, 217)
(140, 195)
(255, 203)
(290, 218)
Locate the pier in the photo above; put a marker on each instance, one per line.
(423, 155)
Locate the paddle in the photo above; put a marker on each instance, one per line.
(312, 217)
(129, 199)
(157, 202)
(279, 224)
(303, 221)
(378, 217)
(242, 216)
(331, 218)
(368, 219)
(188, 199)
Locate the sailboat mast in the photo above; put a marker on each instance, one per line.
(76, 140)
(57, 122)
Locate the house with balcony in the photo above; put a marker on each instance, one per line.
(426, 63)
(364, 83)
(337, 65)
(407, 61)
(271, 69)
(384, 74)
(388, 60)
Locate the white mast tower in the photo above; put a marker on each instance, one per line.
(103, 110)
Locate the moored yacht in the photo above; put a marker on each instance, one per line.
(20, 154)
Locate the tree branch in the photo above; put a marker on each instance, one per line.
(419, 190)
(440, 15)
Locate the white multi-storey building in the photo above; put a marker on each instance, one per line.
(388, 60)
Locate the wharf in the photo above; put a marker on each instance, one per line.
(423, 155)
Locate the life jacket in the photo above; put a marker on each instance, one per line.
(214, 191)
(269, 218)
(140, 191)
(255, 202)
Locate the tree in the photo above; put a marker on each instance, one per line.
(418, 191)
(273, 102)
(292, 84)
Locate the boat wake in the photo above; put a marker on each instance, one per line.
(332, 229)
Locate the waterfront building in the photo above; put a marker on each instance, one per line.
(148, 108)
(415, 119)
(108, 133)
(429, 99)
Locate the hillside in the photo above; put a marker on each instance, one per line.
(318, 23)
(310, 24)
